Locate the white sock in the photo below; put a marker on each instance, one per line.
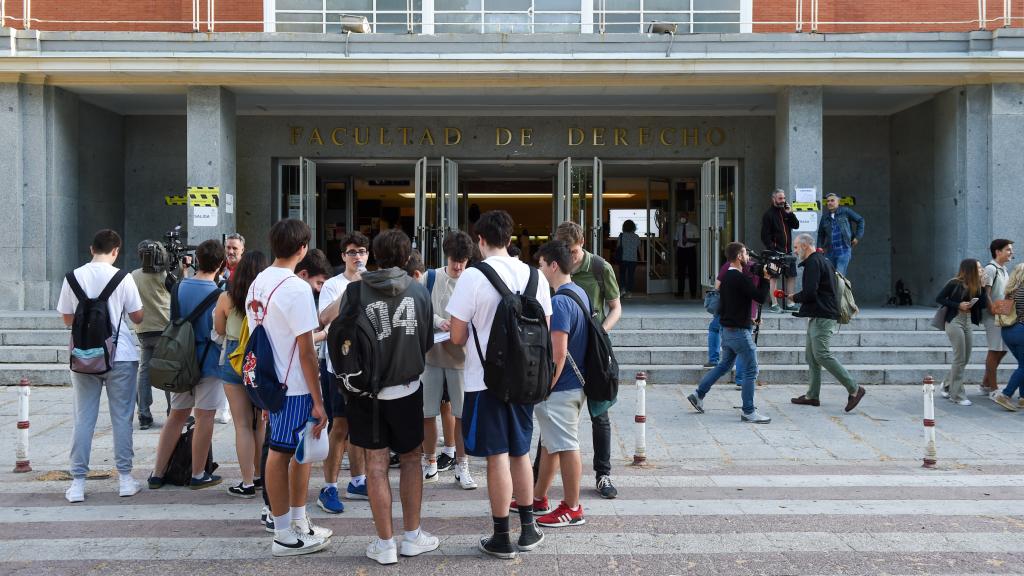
(449, 450)
(389, 543)
(200, 477)
(298, 514)
(331, 485)
(282, 528)
(244, 485)
(463, 459)
(359, 480)
(429, 458)
(412, 536)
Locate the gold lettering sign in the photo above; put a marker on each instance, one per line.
(315, 138)
(384, 140)
(362, 138)
(502, 136)
(427, 137)
(452, 136)
(576, 136)
(526, 137)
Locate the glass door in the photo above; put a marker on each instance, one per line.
(421, 180)
(597, 209)
(710, 222)
(561, 207)
(302, 205)
(447, 211)
(660, 252)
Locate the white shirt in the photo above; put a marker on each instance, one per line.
(329, 293)
(291, 312)
(93, 278)
(687, 234)
(476, 301)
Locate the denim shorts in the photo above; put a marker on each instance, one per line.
(225, 372)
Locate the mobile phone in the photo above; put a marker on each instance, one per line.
(974, 301)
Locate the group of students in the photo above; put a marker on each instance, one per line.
(296, 301)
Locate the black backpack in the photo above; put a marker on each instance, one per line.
(93, 338)
(518, 366)
(354, 348)
(179, 467)
(600, 368)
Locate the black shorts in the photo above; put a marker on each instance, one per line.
(334, 401)
(399, 422)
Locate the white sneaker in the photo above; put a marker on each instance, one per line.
(296, 544)
(424, 543)
(309, 529)
(430, 472)
(964, 402)
(128, 486)
(223, 416)
(463, 477)
(382, 553)
(76, 492)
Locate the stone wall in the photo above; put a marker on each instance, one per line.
(101, 162)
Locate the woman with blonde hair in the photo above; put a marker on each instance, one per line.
(964, 300)
(1013, 337)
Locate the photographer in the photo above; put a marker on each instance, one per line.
(818, 303)
(777, 227)
(737, 294)
(154, 283)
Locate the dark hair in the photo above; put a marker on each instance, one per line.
(557, 252)
(392, 248)
(209, 255)
(252, 263)
(732, 250)
(105, 241)
(356, 238)
(415, 264)
(287, 237)
(998, 244)
(514, 251)
(458, 246)
(315, 264)
(495, 227)
(968, 276)
(629, 226)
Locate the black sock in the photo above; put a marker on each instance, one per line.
(525, 514)
(500, 525)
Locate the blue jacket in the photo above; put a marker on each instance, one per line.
(851, 225)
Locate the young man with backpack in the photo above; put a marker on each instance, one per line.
(195, 297)
(597, 278)
(378, 344)
(93, 301)
(559, 415)
(281, 312)
(497, 415)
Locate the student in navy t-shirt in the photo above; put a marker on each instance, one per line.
(559, 415)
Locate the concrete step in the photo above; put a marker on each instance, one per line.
(33, 354)
(783, 338)
(38, 374)
(35, 337)
(697, 355)
(769, 322)
(45, 320)
(797, 374)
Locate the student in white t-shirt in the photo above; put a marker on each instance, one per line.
(492, 429)
(284, 305)
(355, 251)
(120, 381)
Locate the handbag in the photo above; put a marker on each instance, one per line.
(939, 319)
(1009, 317)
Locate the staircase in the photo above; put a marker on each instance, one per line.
(668, 341)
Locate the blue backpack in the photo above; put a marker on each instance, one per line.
(259, 371)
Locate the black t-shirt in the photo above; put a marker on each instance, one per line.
(737, 292)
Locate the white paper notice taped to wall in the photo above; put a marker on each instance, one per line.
(808, 221)
(204, 216)
(804, 195)
(229, 203)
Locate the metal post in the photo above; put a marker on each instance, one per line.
(799, 15)
(640, 455)
(929, 423)
(21, 462)
(982, 19)
(26, 14)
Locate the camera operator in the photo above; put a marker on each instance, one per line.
(818, 303)
(737, 293)
(777, 227)
(155, 284)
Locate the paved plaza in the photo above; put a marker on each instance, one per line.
(817, 491)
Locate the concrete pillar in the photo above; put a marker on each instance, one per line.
(12, 290)
(1007, 161)
(211, 158)
(798, 139)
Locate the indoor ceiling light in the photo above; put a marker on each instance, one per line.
(520, 195)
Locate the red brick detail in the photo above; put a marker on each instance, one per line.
(863, 15)
(136, 15)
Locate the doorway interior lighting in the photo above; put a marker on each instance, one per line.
(520, 195)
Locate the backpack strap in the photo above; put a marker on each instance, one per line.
(112, 285)
(210, 299)
(575, 298)
(498, 283)
(597, 268)
(76, 288)
(431, 277)
(531, 284)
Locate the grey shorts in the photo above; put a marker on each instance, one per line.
(993, 333)
(434, 379)
(207, 395)
(559, 420)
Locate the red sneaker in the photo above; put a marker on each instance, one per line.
(563, 516)
(540, 506)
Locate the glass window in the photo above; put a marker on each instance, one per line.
(716, 5)
(350, 5)
(507, 5)
(620, 5)
(457, 4)
(300, 4)
(716, 22)
(556, 5)
(667, 5)
(551, 23)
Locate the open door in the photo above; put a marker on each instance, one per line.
(421, 234)
(597, 209)
(710, 224)
(447, 211)
(561, 207)
(304, 206)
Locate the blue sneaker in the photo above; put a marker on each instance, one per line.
(329, 502)
(354, 492)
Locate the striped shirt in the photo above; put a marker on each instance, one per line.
(1018, 303)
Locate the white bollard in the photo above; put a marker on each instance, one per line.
(930, 457)
(640, 455)
(21, 463)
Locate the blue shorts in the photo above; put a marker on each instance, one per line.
(286, 423)
(334, 402)
(491, 427)
(225, 372)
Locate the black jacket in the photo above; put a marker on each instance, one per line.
(953, 293)
(777, 229)
(817, 296)
(737, 293)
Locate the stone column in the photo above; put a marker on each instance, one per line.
(798, 140)
(1007, 161)
(211, 158)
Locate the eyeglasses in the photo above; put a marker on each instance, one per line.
(354, 253)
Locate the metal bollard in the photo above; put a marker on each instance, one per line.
(929, 423)
(640, 455)
(21, 463)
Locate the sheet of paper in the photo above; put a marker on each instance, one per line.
(806, 195)
(808, 221)
(442, 337)
(204, 216)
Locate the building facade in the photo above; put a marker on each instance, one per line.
(112, 113)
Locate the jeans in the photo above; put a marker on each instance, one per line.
(737, 348)
(960, 333)
(120, 384)
(714, 340)
(819, 336)
(627, 272)
(840, 261)
(1013, 337)
(602, 429)
(145, 397)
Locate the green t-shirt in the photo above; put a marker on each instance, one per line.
(584, 278)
